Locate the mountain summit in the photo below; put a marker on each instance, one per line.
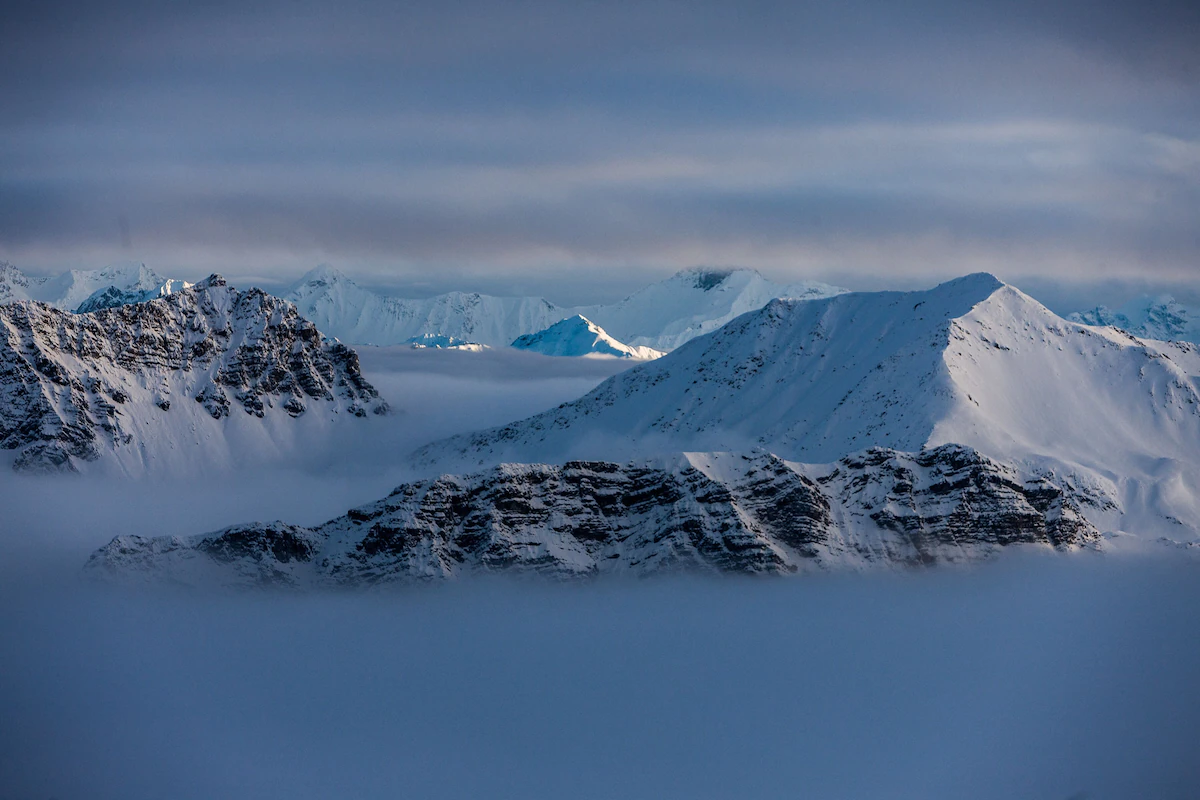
(972, 362)
(579, 336)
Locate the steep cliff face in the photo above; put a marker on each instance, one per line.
(709, 512)
(78, 388)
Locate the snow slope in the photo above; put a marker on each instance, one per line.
(1159, 318)
(99, 288)
(971, 362)
(197, 379)
(579, 336)
(661, 316)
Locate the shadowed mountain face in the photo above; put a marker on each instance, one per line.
(127, 384)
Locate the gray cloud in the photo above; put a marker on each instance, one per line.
(538, 140)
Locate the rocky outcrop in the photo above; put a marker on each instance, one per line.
(717, 512)
(73, 387)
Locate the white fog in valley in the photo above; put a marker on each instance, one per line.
(1018, 679)
(1042, 676)
(433, 394)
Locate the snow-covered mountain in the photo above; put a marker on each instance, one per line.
(15, 285)
(708, 512)
(341, 308)
(112, 296)
(661, 316)
(694, 302)
(177, 381)
(87, 290)
(579, 336)
(1159, 318)
(869, 428)
(971, 362)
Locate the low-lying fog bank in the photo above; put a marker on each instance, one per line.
(1050, 678)
(434, 393)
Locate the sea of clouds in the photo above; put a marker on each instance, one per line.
(1041, 677)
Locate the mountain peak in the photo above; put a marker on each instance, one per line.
(324, 273)
(579, 336)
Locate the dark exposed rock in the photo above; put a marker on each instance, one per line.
(64, 377)
(726, 512)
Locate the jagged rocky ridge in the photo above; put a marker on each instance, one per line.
(113, 296)
(74, 388)
(1162, 318)
(708, 512)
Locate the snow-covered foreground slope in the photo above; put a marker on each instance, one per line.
(87, 290)
(722, 512)
(1161, 318)
(662, 316)
(694, 302)
(579, 336)
(205, 376)
(971, 362)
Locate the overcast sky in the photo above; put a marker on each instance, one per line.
(578, 148)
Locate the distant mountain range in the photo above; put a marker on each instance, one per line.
(1147, 317)
(877, 428)
(661, 316)
(87, 290)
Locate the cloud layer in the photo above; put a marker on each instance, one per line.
(532, 142)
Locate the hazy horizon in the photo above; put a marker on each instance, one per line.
(583, 151)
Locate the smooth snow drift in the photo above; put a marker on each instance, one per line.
(579, 336)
